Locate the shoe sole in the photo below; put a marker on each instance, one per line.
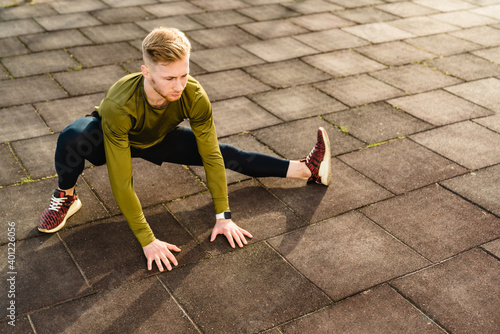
(324, 168)
(72, 210)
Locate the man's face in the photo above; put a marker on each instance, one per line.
(169, 79)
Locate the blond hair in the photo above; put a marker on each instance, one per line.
(164, 44)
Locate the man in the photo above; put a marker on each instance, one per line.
(139, 117)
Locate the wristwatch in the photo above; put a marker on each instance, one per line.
(223, 215)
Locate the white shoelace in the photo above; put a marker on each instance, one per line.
(55, 203)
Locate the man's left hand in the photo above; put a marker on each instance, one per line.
(231, 231)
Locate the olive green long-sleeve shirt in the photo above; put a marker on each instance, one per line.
(128, 120)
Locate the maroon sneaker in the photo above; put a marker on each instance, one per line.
(60, 209)
(319, 160)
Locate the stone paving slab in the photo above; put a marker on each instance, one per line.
(12, 172)
(39, 63)
(108, 261)
(225, 58)
(468, 67)
(18, 27)
(11, 46)
(458, 293)
(380, 310)
(268, 12)
(491, 122)
(485, 36)
(406, 9)
(280, 292)
(466, 143)
(482, 92)
(279, 49)
(97, 55)
(464, 19)
(220, 18)
(37, 155)
(426, 225)
(493, 247)
(402, 165)
(394, 53)
(21, 123)
(66, 21)
(321, 21)
(28, 90)
(423, 26)
(378, 32)
(364, 257)
(255, 209)
(122, 15)
(221, 37)
(366, 15)
(38, 194)
(443, 44)
(331, 40)
(141, 306)
(481, 188)
(273, 29)
(55, 40)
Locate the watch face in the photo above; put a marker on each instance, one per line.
(227, 214)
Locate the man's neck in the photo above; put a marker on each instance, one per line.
(154, 99)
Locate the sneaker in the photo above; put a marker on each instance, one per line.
(319, 160)
(60, 209)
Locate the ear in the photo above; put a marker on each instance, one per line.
(145, 72)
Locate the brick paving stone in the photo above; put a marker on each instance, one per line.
(311, 6)
(49, 253)
(297, 102)
(493, 247)
(443, 44)
(18, 27)
(25, 12)
(492, 54)
(377, 122)
(349, 190)
(220, 18)
(77, 6)
(415, 78)
(38, 194)
(20, 123)
(491, 122)
(490, 11)
(138, 307)
(240, 114)
(439, 107)
(380, 310)
(172, 9)
(273, 29)
(220, 37)
(356, 3)
(279, 49)
(394, 53)
(114, 33)
(423, 26)
(343, 63)
(287, 73)
(446, 5)
(67, 21)
(331, 40)
(366, 15)
(358, 90)
(401, 165)
(229, 84)
(60, 113)
(28, 90)
(38, 63)
(127, 3)
(347, 254)
(11, 47)
(423, 220)
(109, 254)
(171, 181)
(211, 5)
(22, 326)
(243, 142)
(122, 15)
(282, 294)
(55, 40)
(182, 22)
(486, 36)
(378, 32)
(97, 55)
(466, 66)
(464, 19)
(482, 92)
(225, 58)
(88, 81)
(406, 9)
(321, 21)
(466, 143)
(268, 12)
(37, 155)
(12, 172)
(481, 188)
(252, 207)
(460, 294)
(279, 138)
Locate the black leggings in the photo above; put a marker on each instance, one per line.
(83, 140)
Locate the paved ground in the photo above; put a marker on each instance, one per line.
(405, 240)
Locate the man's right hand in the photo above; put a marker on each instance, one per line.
(159, 251)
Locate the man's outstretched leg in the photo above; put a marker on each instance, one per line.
(82, 140)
